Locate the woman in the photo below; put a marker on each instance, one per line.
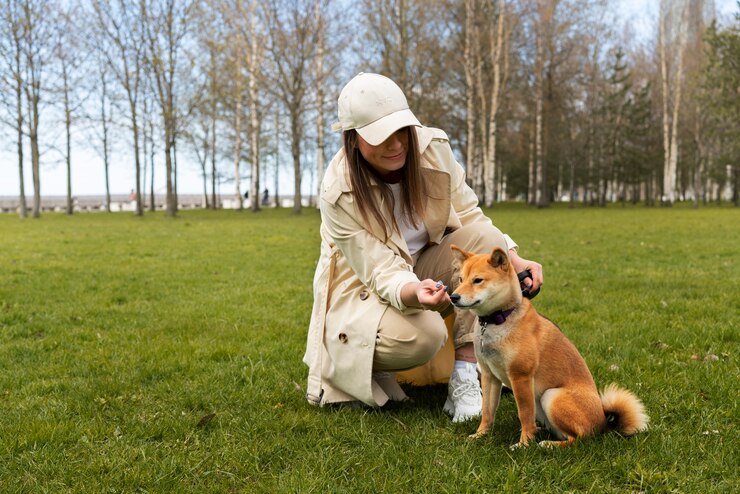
(393, 200)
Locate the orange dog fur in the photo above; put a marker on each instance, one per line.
(529, 354)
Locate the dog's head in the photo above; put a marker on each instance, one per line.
(487, 282)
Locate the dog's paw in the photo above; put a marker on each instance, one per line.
(516, 446)
(557, 444)
(477, 435)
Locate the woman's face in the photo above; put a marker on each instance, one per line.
(388, 156)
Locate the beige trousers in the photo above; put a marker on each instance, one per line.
(407, 341)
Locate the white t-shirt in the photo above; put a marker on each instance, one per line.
(416, 237)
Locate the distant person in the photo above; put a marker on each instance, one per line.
(393, 200)
(266, 197)
(132, 195)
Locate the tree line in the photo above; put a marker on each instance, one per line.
(544, 100)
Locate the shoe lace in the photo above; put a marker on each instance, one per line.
(466, 389)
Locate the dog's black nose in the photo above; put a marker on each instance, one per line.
(455, 298)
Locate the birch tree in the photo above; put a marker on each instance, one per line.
(498, 48)
(670, 119)
(292, 35)
(236, 90)
(250, 44)
(320, 78)
(36, 53)
(105, 123)
(470, 62)
(12, 51)
(165, 26)
(539, 194)
(69, 85)
(254, 61)
(210, 61)
(121, 44)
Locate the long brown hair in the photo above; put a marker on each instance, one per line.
(413, 193)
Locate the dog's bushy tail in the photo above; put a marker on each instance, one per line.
(624, 411)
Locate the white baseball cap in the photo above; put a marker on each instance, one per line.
(375, 106)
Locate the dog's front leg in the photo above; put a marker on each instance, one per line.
(523, 389)
(491, 389)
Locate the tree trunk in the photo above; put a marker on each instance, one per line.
(571, 165)
(254, 130)
(670, 125)
(699, 160)
(137, 158)
(238, 148)
(203, 168)
(23, 208)
(152, 198)
(295, 148)
(277, 159)
(664, 100)
(469, 65)
(673, 163)
(532, 169)
(320, 76)
(36, 175)
(175, 200)
(144, 154)
(255, 154)
(539, 159)
(214, 202)
(497, 46)
(168, 174)
(213, 115)
(104, 122)
(33, 125)
(479, 180)
(68, 136)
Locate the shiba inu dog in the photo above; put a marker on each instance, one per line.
(519, 348)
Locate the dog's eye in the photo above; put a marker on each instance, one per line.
(477, 281)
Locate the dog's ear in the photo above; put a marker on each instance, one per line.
(499, 259)
(459, 256)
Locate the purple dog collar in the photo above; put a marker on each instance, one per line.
(497, 318)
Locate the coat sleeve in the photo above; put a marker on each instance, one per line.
(464, 200)
(374, 263)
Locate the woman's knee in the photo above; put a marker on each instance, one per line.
(409, 341)
(431, 338)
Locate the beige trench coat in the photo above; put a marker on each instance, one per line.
(358, 277)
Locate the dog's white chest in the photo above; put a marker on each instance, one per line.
(491, 352)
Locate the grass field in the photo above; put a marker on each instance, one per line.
(159, 355)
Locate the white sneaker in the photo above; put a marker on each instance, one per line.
(389, 385)
(464, 399)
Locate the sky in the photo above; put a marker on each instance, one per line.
(87, 170)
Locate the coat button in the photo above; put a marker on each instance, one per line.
(343, 337)
(364, 295)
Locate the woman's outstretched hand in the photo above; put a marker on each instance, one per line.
(427, 294)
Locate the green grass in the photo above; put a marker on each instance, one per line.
(159, 355)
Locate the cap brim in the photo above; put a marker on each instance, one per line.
(380, 130)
